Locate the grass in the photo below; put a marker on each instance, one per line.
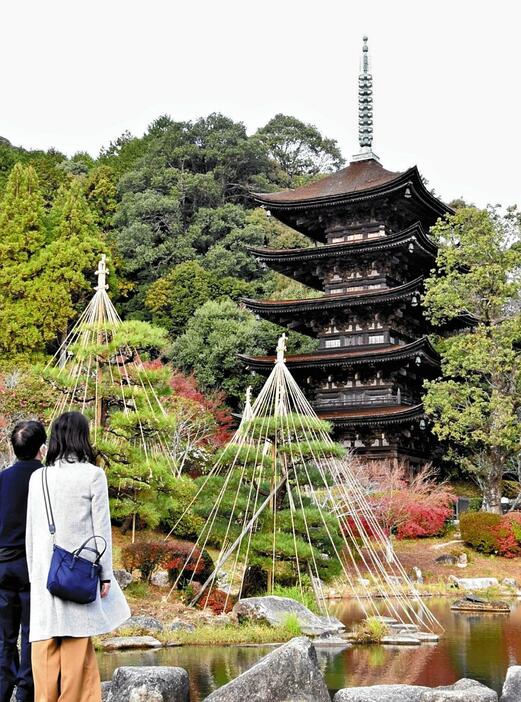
(217, 635)
(137, 589)
(371, 630)
(305, 597)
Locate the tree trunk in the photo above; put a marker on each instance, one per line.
(491, 488)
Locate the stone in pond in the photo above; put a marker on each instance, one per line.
(476, 604)
(512, 686)
(274, 610)
(462, 691)
(106, 691)
(121, 643)
(381, 693)
(288, 674)
(149, 684)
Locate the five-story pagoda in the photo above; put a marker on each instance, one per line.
(372, 254)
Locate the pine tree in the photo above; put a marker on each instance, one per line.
(103, 371)
(279, 457)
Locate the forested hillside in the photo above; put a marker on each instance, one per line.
(174, 212)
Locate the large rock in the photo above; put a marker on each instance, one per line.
(106, 691)
(512, 686)
(381, 693)
(462, 691)
(288, 674)
(123, 577)
(274, 610)
(149, 684)
(161, 579)
(475, 583)
(143, 622)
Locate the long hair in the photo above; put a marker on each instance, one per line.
(70, 440)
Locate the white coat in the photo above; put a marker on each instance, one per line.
(80, 503)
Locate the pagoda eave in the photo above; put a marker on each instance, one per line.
(374, 417)
(329, 302)
(414, 234)
(422, 349)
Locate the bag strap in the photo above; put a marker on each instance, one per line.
(47, 501)
(84, 547)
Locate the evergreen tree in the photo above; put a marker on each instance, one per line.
(476, 404)
(62, 286)
(22, 236)
(292, 538)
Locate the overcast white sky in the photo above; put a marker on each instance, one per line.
(76, 74)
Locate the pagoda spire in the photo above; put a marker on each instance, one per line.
(365, 107)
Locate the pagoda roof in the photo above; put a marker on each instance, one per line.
(351, 357)
(358, 177)
(328, 302)
(415, 234)
(373, 416)
(361, 181)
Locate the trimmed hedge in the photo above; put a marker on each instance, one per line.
(492, 533)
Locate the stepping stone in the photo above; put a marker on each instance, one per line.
(119, 643)
(400, 640)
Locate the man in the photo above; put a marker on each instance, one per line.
(28, 440)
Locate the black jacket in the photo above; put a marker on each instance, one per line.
(14, 488)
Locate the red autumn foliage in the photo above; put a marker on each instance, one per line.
(409, 505)
(188, 558)
(145, 556)
(217, 600)
(508, 535)
(173, 555)
(186, 386)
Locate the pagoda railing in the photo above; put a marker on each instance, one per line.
(340, 403)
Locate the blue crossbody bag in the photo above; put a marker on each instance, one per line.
(72, 577)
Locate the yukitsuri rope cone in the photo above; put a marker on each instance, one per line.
(98, 370)
(282, 500)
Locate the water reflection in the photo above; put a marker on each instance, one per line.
(479, 647)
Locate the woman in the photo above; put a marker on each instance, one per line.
(64, 663)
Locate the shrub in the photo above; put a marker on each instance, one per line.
(218, 601)
(148, 556)
(184, 556)
(145, 556)
(492, 533)
(508, 535)
(410, 506)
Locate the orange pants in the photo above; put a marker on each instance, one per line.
(65, 670)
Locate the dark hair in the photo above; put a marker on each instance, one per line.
(27, 439)
(70, 439)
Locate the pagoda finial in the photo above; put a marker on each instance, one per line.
(365, 107)
(102, 273)
(281, 348)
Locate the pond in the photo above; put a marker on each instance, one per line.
(473, 646)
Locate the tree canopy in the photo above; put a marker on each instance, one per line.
(476, 405)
